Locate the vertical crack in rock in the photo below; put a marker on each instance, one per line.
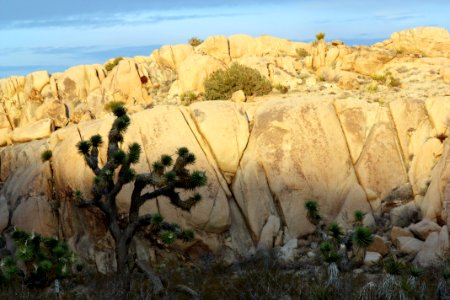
(7, 116)
(148, 163)
(241, 209)
(173, 58)
(400, 150)
(276, 201)
(229, 49)
(350, 157)
(206, 148)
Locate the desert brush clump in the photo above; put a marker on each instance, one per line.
(387, 79)
(301, 53)
(195, 41)
(221, 84)
(109, 66)
(188, 97)
(41, 259)
(168, 176)
(320, 36)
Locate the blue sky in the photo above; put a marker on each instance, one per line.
(54, 35)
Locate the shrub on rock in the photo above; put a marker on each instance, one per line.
(223, 83)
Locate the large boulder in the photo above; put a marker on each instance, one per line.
(423, 229)
(217, 47)
(434, 249)
(77, 82)
(172, 56)
(34, 131)
(124, 84)
(367, 60)
(224, 126)
(429, 41)
(297, 151)
(438, 192)
(194, 70)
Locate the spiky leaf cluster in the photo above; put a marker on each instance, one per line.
(328, 251)
(96, 140)
(8, 270)
(84, 147)
(45, 258)
(359, 216)
(336, 231)
(362, 237)
(393, 266)
(312, 211)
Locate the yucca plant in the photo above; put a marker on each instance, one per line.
(312, 212)
(358, 217)
(362, 238)
(168, 176)
(44, 258)
(336, 232)
(8, 269)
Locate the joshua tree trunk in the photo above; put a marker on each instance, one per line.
(122, 257)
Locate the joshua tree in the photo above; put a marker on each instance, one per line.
(166, 177)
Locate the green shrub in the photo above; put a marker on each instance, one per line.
(223, 83)
(394, 82)
(44, 259)
(282, 88)
(301, 53)
(188, 98)
(320, 36)
(195, 41)
(379, 78)
(109, 66)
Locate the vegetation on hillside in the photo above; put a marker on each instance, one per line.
(111, 65)
(221, 84)
(37, 260)
(195, 41)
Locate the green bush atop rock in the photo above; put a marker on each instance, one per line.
(109, 66)
(221, 84)
(195, 41)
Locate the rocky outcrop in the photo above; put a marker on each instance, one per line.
(349, 150)
(260, 173)
(428, 41)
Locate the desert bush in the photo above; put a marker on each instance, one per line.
(109, 66)
(301, 53)
(188, 98)
(394, 82)
(282, 88)
(195, 41)
(380, 78)
(320, 36)
(221, 84)
(372, 88)
(43, 259)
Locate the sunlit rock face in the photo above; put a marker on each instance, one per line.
(342, 136)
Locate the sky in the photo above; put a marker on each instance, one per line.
(55, 35)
